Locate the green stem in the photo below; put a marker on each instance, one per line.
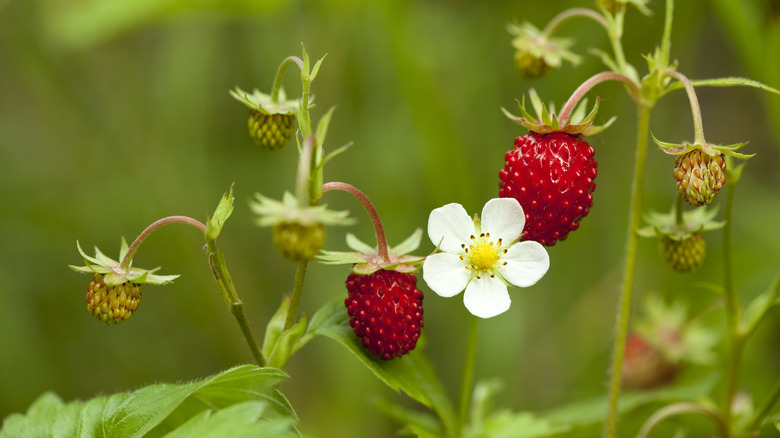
(125, 263)
(295, 300)
(280, 74)
(624, 304)
(467, 380)
(678, 409)
(571, 13)
(666, 41)
(678, 211)
(733, 315)
(698, 127)
(774, 396)
(229, 294)
(615, 33)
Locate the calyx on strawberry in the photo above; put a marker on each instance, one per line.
(114, 293)
(536, 53)
(700, 168)
(383, 303)
(680, 235)
(551, 171)
(271, 120)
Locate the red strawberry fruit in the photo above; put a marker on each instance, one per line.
(551, 171)
(385, 310)
(552, 176)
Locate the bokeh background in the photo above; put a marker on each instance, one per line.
(116, 113)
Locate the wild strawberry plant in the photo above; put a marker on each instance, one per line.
(546, 190)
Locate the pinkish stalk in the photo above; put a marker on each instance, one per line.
(151, 228)
(381, 240)
(590, 83)
(698, 127)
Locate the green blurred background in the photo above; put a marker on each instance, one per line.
(116, 113)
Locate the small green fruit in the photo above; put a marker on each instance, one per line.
(271, 131)
(699, 176)
(297, 242)
(683, 255)
(112, 304)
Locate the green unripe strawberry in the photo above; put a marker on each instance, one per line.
(112, 304)
(699, 176)
(271, 131)
(297, 242)
(685, 254)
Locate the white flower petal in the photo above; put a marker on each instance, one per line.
(486, 297)
(452, 224)
(526, 263)
(445, 274)
(504, 218)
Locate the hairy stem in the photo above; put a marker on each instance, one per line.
(467, 381)
(280, 74)
(624, 303)
(229, 294)
(698, 127)
(678, 409)
(596, 79)
(125, 263)
(733, 314)
(666, 41)
(379, 230)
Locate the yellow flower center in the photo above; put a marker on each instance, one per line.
(483, 254)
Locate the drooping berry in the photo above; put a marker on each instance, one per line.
(385, 310)
(699, 176)
(271, 131)
(552, 176)
(684, 254)
(112, 304)
(297, 242)
(644, 364)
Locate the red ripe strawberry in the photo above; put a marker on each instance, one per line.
(385, 310)
(552, 176)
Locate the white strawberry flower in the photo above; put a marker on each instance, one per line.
(482, 256)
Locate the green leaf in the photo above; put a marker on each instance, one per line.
(322, 126)
(506, 424)
(758, 308)
(724, 82)
(240, 420)
(222, 213)
(150, 411)
(280, 344)
(413, 373)
(421, 422)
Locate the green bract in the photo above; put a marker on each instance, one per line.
(697, 220)
(537, 53)
(113, 272)
(366, 259)
(290, 211)
(708, 148)
(547, 122)
(265, 103)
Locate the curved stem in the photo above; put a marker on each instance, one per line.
(154, 226)
(280, 74)
(624, 304)
(592, 82)
(678, 409)
(695, 109)
(381, 240)
(467, 380)
(571, 13)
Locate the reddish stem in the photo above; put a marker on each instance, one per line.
(125, 263)
(590, 83)
(381, 240)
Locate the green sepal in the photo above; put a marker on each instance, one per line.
(410, 244)
(221, 214)
(289, 210)
(280, 344)
(264, 103)
(366, 260)
(546, 122)
(697, 220)
(114, 274)
(708, 148)
(733, 171)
